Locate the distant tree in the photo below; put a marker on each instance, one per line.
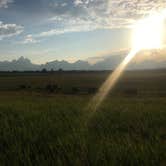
(52, 88)
(44, 70)
(52, 70)
(22, 86)
(60, 70)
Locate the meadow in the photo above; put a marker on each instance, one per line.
(41, 127)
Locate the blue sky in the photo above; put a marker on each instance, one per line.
(45, 30)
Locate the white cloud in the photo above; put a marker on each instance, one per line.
(9, 30)
(102, 14)
(4, 3)
(117, 13)
(70, 25)
(78, 2)
(29, 39)
(88, 15)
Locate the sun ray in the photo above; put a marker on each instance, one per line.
(147, 34)
(110, 82)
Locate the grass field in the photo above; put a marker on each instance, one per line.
(152, 82)
(40, 128)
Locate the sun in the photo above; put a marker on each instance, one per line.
(148, 32)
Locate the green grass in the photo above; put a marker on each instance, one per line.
(36, 129)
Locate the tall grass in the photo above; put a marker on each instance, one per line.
(57, 130)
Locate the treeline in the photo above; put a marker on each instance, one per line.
(56, 89)
(44, 70)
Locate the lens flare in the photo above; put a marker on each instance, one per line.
(147, 34)
(110, 82)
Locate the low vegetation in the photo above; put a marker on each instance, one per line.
(52, 128)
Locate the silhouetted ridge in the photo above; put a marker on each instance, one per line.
(108, 63)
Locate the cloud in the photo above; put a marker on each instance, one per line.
(4, 3)
(107, 13)
(102, 56)
(29, 39)
(69, 25)
(157, 55)
(89, 15)
(9, 30)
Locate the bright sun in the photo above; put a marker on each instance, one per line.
(147, 33)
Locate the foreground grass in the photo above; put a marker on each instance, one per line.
(57, 130)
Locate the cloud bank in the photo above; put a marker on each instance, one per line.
(87, 15)
(9, 30)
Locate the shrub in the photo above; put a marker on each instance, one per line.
(52, 88)
(22, 87)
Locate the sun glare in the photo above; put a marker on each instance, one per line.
(147, 33)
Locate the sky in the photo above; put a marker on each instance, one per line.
(46, 30)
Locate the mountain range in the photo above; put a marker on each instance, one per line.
(107, 63)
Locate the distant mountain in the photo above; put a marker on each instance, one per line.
(107, 63)
(24, 64)
(18, 65)
(56, 65)
(110, 63)
(143, 60)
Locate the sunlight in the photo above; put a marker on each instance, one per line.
(110, 82)
(147, 34)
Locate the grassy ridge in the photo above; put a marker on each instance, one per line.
(57, 130)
